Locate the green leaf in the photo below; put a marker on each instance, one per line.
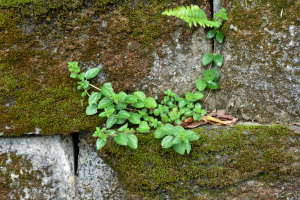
(85, 85)
(220, 37)
(167, 142)
(211, 34)
(73, 75)
(198, 95)
(188, 147)
(91, 110)
(102, 114)
(95, 96)
(83, 94)
(150, 103)
(77, 69)
(110, 132)
(191, 135)
(177, 121)
(121, 96)
(121, 139)
(71, 69)
(121, 106)
(91, 73)
(209, 75)
(130, 99)
(156, 112)
(218, 59)
(123, 128)
(217, 74)
(81, 76)
(165, 118)
(178, 130)
(132, 141)
(213, 85)
(143, 127)
(123, 114)
(134, 118)
(140, 96)
(105, 102)
(107, 89)
(179, 148)
(111, 121)
(201, 84)
(177, 140)
(181, 103)
(207, 58)
(166, 129)
(121, 121)
(138, 104)
(100, 143)
(189, 96)
(103, 137)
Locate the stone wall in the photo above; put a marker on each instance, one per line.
(242, 162)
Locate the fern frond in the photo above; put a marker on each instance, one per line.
(192, 15)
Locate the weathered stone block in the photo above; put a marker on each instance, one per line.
(261, 72)
(36, 167)
(242, 162)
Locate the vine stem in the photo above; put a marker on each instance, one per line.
(95, 87)
(207, 97)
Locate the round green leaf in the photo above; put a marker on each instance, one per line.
(218, 59)
(189, 96)
(143, 127)
(111, 121)
(134, 118)
(213, 85)
(121, 139)
(91, 110)
(132, 141)
(179, 148)
(95, 96)
(201, 84)
(217, 74)
(91, 73)
(130, 99)
(166, 129)
(167, 142)
(100, 143)
(211, 34)
(105, 102)
(220, 37)
(165, 118)
(207, 58)
(140, 95)
(139, 104)
(123, 114)
(198, 95)
(107, 90)
(209, 75)
(150, 103)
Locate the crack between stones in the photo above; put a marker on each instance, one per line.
(212, 16)
(75, 138)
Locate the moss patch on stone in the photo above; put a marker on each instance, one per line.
(18, 178)
(218, 161)
(38, 38)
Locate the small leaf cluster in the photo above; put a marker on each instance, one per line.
(177, 137)
(141, 111)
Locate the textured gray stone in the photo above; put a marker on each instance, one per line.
(96, 179)
(180, 67)
(37, 167)
(260, 78)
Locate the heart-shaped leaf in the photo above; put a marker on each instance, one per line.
(201, 84)
(220, 37)
(209, 75)
(211, 34)
(207, 58)
(218, 59)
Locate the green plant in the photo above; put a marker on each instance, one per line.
(144, 112)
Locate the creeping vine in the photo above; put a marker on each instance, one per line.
(137, 109)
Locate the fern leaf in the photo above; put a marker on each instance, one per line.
(192, 15)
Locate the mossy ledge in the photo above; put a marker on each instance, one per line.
(220, 163)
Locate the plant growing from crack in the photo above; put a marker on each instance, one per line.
(137, 109)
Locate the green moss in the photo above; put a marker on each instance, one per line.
(221, 158)
(39, 37)
(20, 167)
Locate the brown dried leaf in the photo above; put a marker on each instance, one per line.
(195, 124)
(187, 122)
(224, 117)
(213, 113)
(221, 112)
